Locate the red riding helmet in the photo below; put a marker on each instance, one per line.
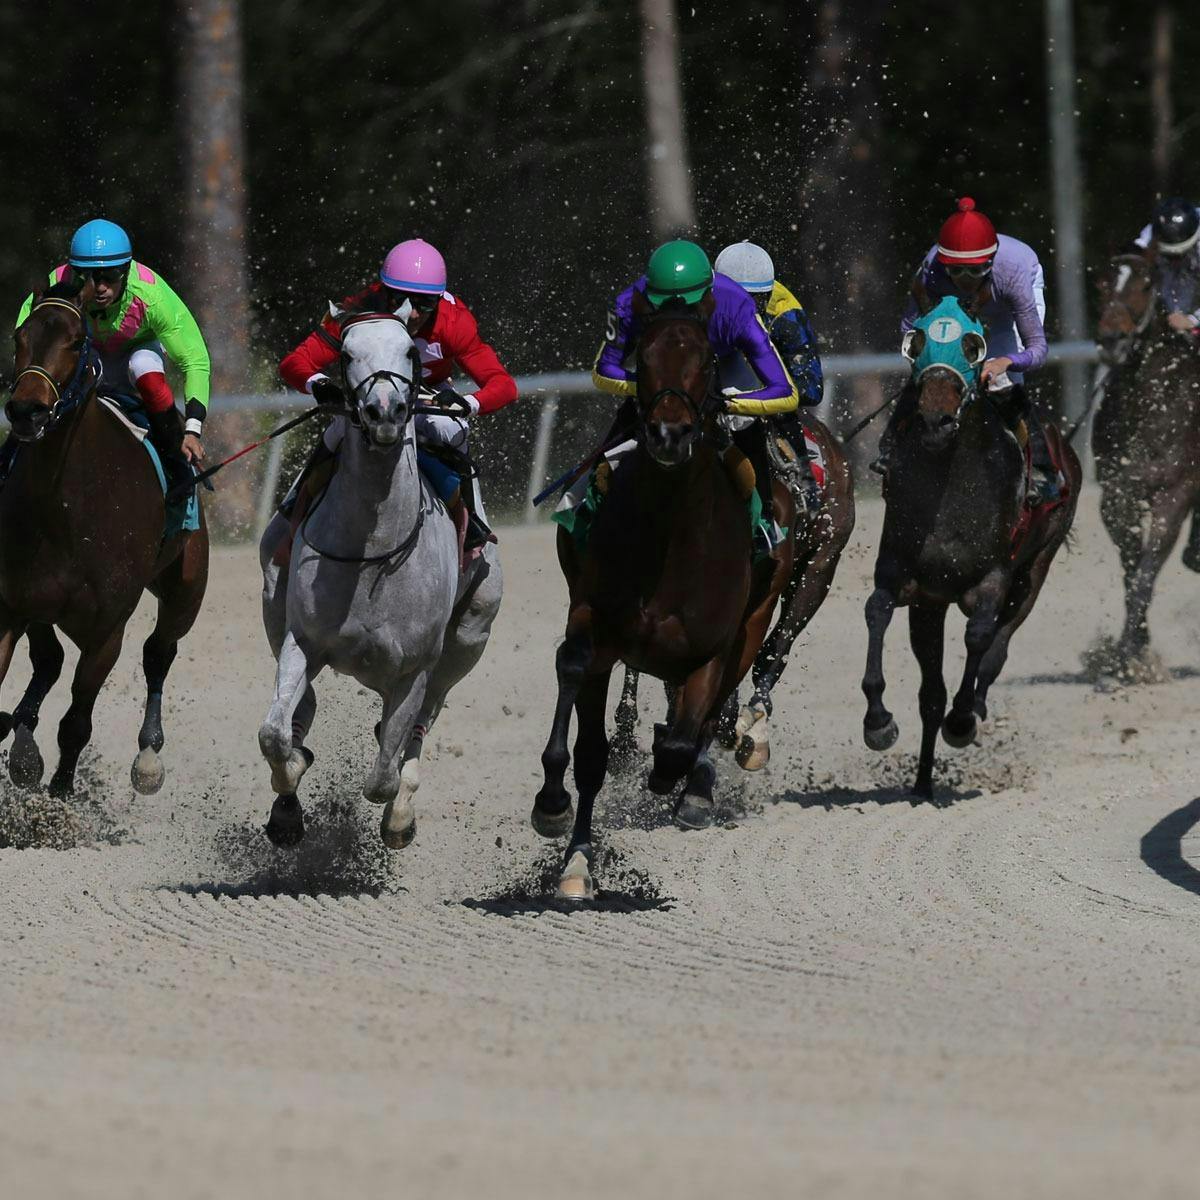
(967, 238)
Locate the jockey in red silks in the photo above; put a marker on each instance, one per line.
(412, 285)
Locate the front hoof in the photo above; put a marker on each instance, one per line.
(694, 812)
(883, 738)
(398, 826)
(552, 824)
(25, 765)
(285, 826)
(753, 749)
(286, 775)
(959, 730)
(147, 773)
(575, 883)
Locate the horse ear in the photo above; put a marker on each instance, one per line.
(640, 304)
(975, 348)
(921, 294)
(414, 357)
(86, 291)
(978, 302)
(336, 311)
(913, 344)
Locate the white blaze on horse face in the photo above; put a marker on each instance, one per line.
(1123, 277)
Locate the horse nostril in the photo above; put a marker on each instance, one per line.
(373, 412)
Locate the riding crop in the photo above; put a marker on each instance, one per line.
(180, 490)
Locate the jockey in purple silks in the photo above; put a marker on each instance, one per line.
(970, 256)
(680, 274)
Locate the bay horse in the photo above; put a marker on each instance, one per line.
(820, 536)
(82, 517)
(667, 585)
(955, 532)
(1146, 437)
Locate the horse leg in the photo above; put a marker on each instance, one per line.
(75, 729)
(960, 724)
(25, 765)
(880, 730)
(677, 750)
(293, 678)
(551, 815)
(10, 633)
(591, 765)
(180, 590)
(926, 630)
(697, 807)
(398, 825)
(1166, 520)
(463, 646)
(624, 743)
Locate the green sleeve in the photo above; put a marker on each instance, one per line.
(181, 338)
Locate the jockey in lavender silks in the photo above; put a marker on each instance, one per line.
(969, 260)
(679, 275)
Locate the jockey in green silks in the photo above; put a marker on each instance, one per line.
(137, 321)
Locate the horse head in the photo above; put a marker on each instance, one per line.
(676, 371)
(55, 362)
(946, 348)
(381, 369)
(1127, 304)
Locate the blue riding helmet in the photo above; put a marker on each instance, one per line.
(100, 243)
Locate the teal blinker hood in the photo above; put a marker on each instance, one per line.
(946, 327)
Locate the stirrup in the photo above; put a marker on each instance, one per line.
(478, 533)
(880, 465)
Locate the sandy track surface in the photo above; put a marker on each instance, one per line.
(839, 994)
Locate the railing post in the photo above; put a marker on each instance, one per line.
(266, 493)
(541, 455)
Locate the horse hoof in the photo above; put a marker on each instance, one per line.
(660, 785)
(285, 826)
(552, 825)
(398, 825)
(575, 883)
(694, 812)
(959, 731)
(753, 749)
(883, 738)
(25, 765)
(147, 773)
(286, 775)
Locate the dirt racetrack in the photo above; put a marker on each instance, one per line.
(839, 994)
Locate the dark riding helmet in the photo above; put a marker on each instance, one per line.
(1176, 226)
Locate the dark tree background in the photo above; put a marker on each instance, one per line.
(511, 133)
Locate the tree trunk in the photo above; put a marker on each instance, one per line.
(671, 209)
(215, 230)
(844, 201)
(1160, 96)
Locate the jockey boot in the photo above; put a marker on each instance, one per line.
(1191, 552)
(1043, 477)
(478, 531)
(752, 442)
(320, 455)
(166, 433)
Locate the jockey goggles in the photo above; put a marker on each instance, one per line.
(422, 302)
(969, 270)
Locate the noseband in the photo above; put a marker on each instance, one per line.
(697, 412)
(357, 393)
(66, 397)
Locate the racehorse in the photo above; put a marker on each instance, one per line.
(820, 537)
(1146, 437)
(373, 589)
(665, 584)
(82, 517)
(956, 531)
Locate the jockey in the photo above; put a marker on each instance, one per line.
(970, 260)
(1174, 233)
(679, 273)
(137, 321)
(788, 326)
(412, 285)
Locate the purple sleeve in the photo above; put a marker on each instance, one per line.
(1026, 290)
(610, 362)
(755, 343)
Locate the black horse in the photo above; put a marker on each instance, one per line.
(956, 531)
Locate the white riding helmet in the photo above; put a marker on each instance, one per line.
(747, 264)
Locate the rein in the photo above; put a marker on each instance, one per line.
(66, 397)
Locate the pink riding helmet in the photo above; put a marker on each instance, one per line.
(414, 266)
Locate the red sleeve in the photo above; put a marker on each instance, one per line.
(497, 387)
(315, 353)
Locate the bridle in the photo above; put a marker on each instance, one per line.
(357, 393)
(67, 397)
(1121, 347)
(697, 411)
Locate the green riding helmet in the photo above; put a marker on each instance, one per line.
(680, 269)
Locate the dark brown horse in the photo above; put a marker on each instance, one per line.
(667, 585)
(1146, 439)
(81, 537)
(954, 532)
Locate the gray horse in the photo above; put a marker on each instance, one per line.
(373, 589)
